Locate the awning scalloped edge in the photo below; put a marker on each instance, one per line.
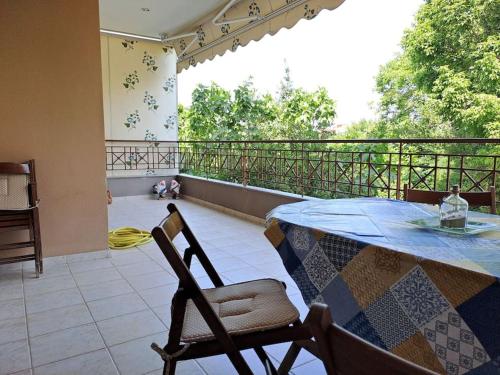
(216, 39)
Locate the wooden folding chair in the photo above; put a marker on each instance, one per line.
(19, 210)
(345, 353)
(227, 318)
(475, 199)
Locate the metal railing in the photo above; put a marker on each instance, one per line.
(323, 168)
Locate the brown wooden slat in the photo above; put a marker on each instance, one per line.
(12, 216)
(18, 258)
(14, 168)
(486, 198)
(11, 229)
(17, 245)
(14, 222)
(344, 353)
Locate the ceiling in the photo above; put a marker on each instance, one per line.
(164, 16)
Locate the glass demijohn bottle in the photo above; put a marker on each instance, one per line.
(453, 210)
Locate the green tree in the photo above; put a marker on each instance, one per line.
(305, 115)
(217, 114)
(209, 116)
(446, 82)
(286, 85)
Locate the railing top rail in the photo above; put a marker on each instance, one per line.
(374, 141)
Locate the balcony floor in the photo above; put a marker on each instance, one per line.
(93, 314)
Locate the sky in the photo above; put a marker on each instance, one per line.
(341, 50)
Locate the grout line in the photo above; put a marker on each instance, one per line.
(70, 357)
(140, 296)
(95, 323)
(26, 320)
(156, 261)
(149, 308)
(85, 302)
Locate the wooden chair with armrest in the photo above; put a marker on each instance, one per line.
(19, 211)
(227, 318)
(475, 199)
(344, 353)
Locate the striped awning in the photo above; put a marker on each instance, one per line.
(246, 20)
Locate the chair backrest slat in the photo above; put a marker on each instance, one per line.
(478, 199)
(17, 187)
(352, 355)
(14, 168)
(173, 225)
(344, 353)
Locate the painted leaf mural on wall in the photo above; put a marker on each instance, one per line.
(236, 44)
(169, 85)
(140, 84)
(150, 62)
(168, 49)
(150, 136)
(150, 101)
(131, 80)
(132, 120)
(170, 122)
(128, 44)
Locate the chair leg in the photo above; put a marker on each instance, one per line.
(266, 361)
(239, 363)
(169, 369)
(290, 357)
(35, 233)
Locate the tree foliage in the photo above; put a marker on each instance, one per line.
(446, 82)
(295, 113)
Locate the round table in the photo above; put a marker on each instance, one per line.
(427, 296)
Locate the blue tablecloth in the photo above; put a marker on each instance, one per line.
(428, 296)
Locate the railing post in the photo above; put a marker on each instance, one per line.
(398, 174)
(302, 171)
(244, 165)
(205, 155)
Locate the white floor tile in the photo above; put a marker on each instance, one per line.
(13, 330)
(140, 268)
(129, 327)
(58, 319)
(94, 363)
(151, 280)
(12, 291)
(159, 296)
(45, 285)
(13, 308)
(105, 290)
(116, 306)
(53, 300)
(96, 276)
(14, 357)
(64, 344)
(136, 357)
(90, 265)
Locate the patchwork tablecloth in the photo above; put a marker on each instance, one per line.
(427, 296)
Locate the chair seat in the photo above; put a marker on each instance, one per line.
(251, 306)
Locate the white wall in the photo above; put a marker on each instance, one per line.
(140, 100)
(145, 106)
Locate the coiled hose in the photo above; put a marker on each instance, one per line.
(127, 237)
